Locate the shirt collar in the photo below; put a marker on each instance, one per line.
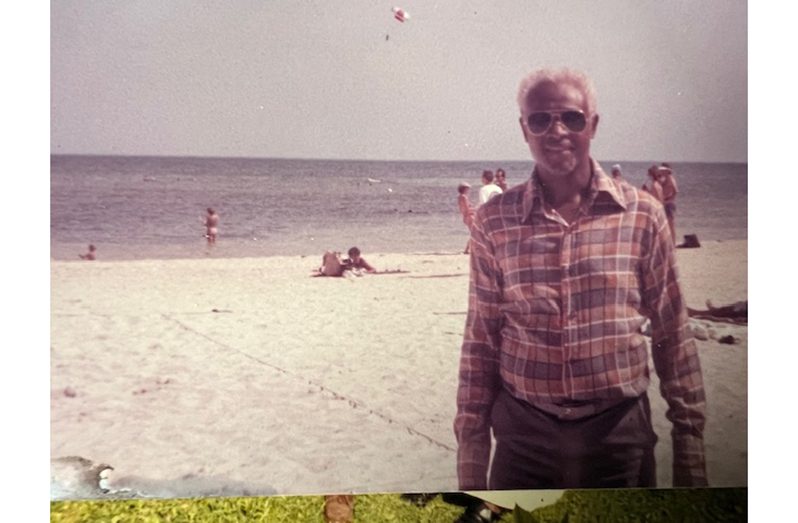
(602, 186)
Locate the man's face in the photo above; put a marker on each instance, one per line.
(559, 150)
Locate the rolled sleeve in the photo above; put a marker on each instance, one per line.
(479, 380)
(675, 358)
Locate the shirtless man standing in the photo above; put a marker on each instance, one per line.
(669, 192)
(656, 187)
(211, 226)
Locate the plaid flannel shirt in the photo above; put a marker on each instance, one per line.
(555, 314)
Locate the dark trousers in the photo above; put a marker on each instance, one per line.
(536, 450)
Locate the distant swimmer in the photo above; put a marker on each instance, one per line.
(89, 255)
(616, 172)
(211, 226)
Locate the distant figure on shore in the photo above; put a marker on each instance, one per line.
(466, 209)
(357, 264)
(501, 179)
(669, 192)
(616, 172)
(653, 186)
(488, 189)
(89, 255)
(211, 226)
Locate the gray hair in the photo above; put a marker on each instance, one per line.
(558, 76)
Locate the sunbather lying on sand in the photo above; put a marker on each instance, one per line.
(356, 263)
(735, 311)
(332, 265)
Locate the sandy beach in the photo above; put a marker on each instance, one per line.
(249, 376)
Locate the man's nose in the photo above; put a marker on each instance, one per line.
(557, 126)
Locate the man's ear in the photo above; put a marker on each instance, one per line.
(523, 129)
(594, 125)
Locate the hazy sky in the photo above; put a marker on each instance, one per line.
(324, 79)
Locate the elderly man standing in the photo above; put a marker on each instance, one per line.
(565, 270)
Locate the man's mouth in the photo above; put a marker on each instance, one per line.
(557, 146)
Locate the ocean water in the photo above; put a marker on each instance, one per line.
(153, 207)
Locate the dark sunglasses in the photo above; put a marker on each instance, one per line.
(540, 122)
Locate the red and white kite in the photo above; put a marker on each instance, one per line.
(400, 14)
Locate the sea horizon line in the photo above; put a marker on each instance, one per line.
(368, 160)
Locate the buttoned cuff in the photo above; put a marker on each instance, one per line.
(689, 463)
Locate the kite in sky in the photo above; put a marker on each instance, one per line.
(400, 14)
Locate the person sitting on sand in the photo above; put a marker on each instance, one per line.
(89, 255)
(331, 264)
(356, 264)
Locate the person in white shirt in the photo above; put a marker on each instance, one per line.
(488, 189)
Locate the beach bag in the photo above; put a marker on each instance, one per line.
(331, 264)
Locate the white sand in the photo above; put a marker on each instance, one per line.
(302, 385)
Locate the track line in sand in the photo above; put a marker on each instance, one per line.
(322, 388)
(428, 276)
